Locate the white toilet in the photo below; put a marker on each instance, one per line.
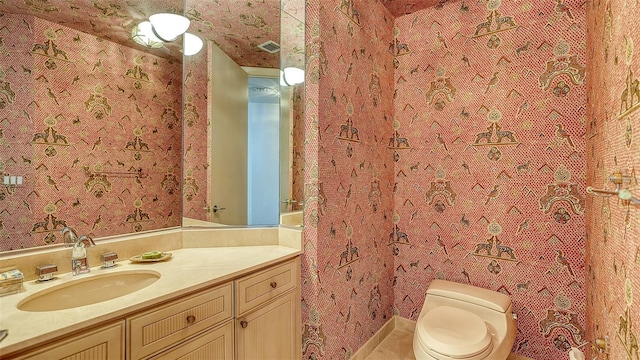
(461, 321)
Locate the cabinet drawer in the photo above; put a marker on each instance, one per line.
(255, 289)
(216, 344)
(104, 343)
(162, 327)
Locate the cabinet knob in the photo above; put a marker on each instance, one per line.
(191, 319)
(243, 324)
(274, 284)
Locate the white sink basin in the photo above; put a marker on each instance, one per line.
(89, 290)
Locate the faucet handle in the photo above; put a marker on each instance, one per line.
(86, 241)
(46, 272)
(109, 260)
(69, 235)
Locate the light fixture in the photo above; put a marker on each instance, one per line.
(292, 76)
(143, 35)
(192, 44)
(169, 26)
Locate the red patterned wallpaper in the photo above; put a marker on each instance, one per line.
(483, 153)
(296, 162)
(613, 247)
(80, 117)
(490, 170)
(197, 136)
(347, 267)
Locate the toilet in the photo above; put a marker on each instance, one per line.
(460, 321)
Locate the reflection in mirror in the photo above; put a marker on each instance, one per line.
(90, 128)
(229, 179)
(292, 114)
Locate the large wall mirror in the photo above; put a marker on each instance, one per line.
(242, 165)
(92, 124)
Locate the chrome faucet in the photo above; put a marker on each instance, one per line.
(79, 262)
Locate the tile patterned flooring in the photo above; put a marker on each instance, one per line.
(398, 345)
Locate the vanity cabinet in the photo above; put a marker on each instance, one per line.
(268, 320)
(254, 316)
(213, 344)
(103, 343)
(164, 326)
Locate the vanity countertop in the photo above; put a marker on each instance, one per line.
(188, 270)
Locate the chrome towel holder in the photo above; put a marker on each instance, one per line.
(623, 194)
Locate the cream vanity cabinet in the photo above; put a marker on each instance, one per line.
(266, 324)
(164, 326)
(268, 313)
(103, 343)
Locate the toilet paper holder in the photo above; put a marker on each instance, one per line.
(600, 344)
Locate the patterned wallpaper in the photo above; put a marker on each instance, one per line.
(348, 267)
(113, 20)
(236, 26)
(490, 161)
(197, 136)
(613, 250)
(296, 141)
(94, 130)
(398, 8)
(482, 152)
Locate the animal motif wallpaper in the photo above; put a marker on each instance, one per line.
(398, 8)
(482, 152)
(296, 141)
(489, 150)
(113, 20)
(197, 136)
(348, 267)
(613, 149)
(93, 129)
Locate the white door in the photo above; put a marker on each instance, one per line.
(228, 111)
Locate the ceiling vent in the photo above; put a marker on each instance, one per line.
(270, 46)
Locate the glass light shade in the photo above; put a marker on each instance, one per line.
(169, 26)
(192, 44)
(143, 35)
(293, 76)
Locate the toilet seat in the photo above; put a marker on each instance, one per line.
(446, 332)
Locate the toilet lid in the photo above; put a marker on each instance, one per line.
(454, 332)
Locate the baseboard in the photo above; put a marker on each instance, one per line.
(375, 340)
(403, 324)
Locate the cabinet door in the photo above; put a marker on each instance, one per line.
(271, 332)
(162, 327)
(216, 344)
(105, 343)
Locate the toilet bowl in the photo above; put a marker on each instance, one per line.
(464, 322)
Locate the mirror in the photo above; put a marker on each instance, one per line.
(91, 133)
(90, 126)
(233, 163)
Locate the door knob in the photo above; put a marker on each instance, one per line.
(216, 208)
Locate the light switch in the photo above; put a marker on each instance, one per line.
(12, 180)
(6, 179)
(19, 180)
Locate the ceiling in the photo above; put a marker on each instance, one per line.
(236, 26)
(403, 7)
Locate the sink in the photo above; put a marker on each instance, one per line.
(89, 290)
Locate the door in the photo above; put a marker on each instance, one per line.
(228, 107)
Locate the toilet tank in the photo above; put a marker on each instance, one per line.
(490, 299)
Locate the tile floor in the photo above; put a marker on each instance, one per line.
(398, 345)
